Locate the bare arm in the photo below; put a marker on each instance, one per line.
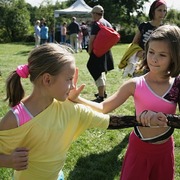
(114, 101)
(119, 122)
(8, 121)
(111, 103)
(17, 160)
(137, 37)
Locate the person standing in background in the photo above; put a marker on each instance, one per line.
(80, 39)
(44, 33)
(99, 66)
(43, 20)
(51, 34)
(37, 36)
(85, 32)
(74, 29)
(157, 13)
(63, 32)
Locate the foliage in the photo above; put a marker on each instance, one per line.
(18, 18)
(15, 23)
(118, 11)
(173, 17)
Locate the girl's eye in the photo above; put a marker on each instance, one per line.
(151, 52)
(163, 55)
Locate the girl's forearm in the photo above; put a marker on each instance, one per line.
(119, 122)
(95, 106)
(5, 161)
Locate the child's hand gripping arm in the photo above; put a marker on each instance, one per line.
(17, 160)
(151, 118)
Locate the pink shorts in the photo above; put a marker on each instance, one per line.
(145, 161)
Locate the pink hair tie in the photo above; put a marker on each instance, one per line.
(23, 71)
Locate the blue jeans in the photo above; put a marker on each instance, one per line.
(63, 38)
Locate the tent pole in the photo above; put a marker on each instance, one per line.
(54, 32)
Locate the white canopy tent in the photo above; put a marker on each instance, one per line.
(77, 8)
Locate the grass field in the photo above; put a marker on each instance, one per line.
(97, 154)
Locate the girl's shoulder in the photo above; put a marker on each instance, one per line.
(8, 121)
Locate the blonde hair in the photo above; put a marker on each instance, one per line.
(47, 58)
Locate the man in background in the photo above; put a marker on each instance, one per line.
(74, 29)
(99, 66)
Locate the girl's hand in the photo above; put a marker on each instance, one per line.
(75, 92)
(19, 159)
(151, 118)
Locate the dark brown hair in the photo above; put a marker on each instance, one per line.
(169, 34)
(153, 7)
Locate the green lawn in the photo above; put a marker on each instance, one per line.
(97, 154)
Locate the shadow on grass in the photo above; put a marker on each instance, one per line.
(104, 166)
(23, 53)
(23, 43)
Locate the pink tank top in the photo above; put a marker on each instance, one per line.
(22, 114)
(145, 98)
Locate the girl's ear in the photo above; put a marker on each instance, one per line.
(47, 79)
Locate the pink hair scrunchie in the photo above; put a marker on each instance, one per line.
(23, 71)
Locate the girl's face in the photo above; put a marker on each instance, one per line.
(63, 82)
(158, 57)
(160, 12)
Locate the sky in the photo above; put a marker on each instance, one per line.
(38, 2)
(175, 4)
(171, 4)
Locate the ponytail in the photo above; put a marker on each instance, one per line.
(14, 89)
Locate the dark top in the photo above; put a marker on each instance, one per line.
(73, 28)
(146, 29)
(97, 65)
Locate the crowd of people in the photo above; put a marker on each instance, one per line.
(55, 113)
(75, 34)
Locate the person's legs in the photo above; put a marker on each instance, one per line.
(76, 42)
(72, 40)
(101, 85)
(38, 40)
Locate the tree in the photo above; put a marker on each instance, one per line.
(118, 11)
(173, 17)
(15, 23)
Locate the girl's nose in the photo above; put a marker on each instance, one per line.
(154, 59)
